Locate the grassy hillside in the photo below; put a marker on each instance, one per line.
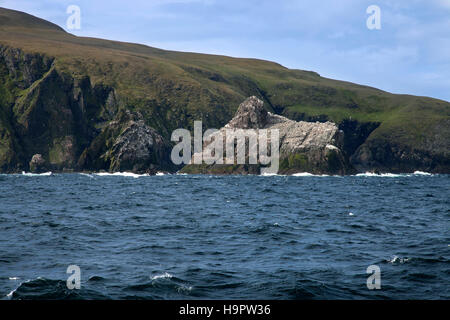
(172, 89)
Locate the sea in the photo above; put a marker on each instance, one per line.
(128, 236)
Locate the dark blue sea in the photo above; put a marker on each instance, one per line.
(224, 237)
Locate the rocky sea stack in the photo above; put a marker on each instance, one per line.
(38, 164)
(312, 147)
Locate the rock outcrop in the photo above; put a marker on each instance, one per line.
(38, 164)
(250, 115)
(128, 144)
(139, 148)
(304, 146)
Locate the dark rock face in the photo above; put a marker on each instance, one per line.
(38, 164)
(384, 156)
(55, 115)
(139, 148)
(55, 118)
(430, 153)
(127, 144)
(58, 119)
(355, 134)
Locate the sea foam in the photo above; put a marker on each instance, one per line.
(387, 175)
(421, 173)
(165, 275)
(307, 174)
(121, 174)
(393, 175)
(29, 174)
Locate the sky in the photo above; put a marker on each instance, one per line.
(410, 54)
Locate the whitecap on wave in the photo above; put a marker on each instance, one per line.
(393, 175)
(165, 275)
(421, 173)
(388, 175)
(121, 174)
(397, 259)
(86, 174)
(307, 174)
(29, 174)
(303, 174)
(268, 174)
(11, 293)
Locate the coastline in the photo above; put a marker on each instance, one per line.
(161, 173)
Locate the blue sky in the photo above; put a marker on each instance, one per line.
(410, 54)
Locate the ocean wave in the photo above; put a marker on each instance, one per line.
(393, 175)
(387, 175)
(29, 174)
(48, 289)
(161, 286)
(10, 295)
(299, 174)
(303, 174)
(421, 173)
(86, 174)
(96, 278)
(184, 289)
(396, 259)
(121, 174)
(269, 174)
(165, 275)
(307, 174)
